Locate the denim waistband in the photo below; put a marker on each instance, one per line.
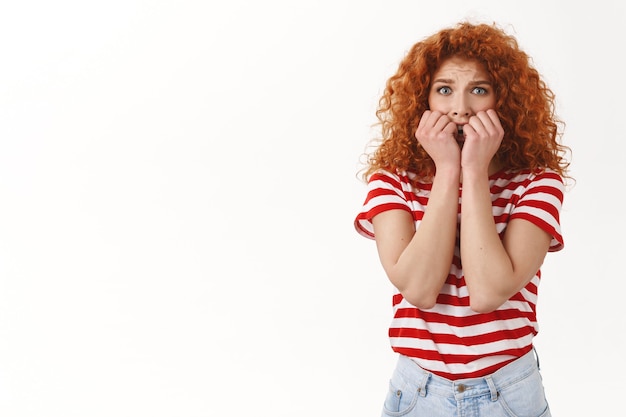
(429, 383)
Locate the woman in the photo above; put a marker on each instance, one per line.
(464, 194)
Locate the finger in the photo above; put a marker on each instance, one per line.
(450, 128)
(431, 124)
(485, 121)
(474, 126)
(490, 122)
(483, 125)
(424, 119)
(468, 129)
(443, 124)
(495, 119)
(429, 118)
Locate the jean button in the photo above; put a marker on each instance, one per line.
(460, 388)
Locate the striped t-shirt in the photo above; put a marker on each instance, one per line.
(450, 339)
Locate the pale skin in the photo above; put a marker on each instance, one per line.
(417, 262)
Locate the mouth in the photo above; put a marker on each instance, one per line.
(460, 138)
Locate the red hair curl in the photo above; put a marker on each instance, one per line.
(524, 103)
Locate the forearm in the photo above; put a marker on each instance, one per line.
(424, 265)
(486, 265)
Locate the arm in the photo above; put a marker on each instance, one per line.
(417, 262)
(496, 269)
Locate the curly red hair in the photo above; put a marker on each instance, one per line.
(524, 103)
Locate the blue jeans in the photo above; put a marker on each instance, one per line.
(516, 390)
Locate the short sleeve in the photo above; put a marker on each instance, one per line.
(385, 191)
(541, 204)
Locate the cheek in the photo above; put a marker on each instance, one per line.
(484, 105)
(436, 104)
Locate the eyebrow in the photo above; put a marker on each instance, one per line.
(450, 81)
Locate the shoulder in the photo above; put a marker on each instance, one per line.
(528, 178)
(404, 181)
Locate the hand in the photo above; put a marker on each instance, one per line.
(435, 133)
(483, 136)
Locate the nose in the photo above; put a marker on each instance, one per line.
(460, 107)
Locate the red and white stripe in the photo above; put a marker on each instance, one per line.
(450, 339)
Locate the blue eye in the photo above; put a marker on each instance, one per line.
(444, 90)
(479, 91)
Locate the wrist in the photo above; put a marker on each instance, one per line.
(450, 173)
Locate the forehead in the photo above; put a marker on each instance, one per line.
(455, 67)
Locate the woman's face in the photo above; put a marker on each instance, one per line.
(460, 88)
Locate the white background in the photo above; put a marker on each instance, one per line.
(178, 181)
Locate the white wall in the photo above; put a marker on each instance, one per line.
(177, 189)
